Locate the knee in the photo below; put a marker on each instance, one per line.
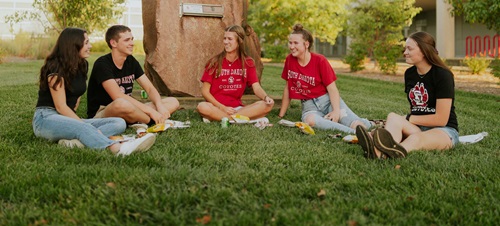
(203, 107)
(393, 117)
(123, 105)
(309, 119)
(120, 124)
(267, 107)
(173, 102)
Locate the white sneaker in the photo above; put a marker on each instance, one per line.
(140, 144)
(74, 143)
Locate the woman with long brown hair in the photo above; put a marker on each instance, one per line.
(431, 123)
(225, 78)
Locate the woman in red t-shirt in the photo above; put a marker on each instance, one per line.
(311, 79)
(225, 79)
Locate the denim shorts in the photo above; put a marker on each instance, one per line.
(452, 133)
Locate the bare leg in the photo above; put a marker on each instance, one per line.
(256, 110)
(171, 103)
(209, 111)
(433, 139)
(398, 126)
(126, 110)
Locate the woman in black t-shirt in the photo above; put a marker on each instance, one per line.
(432, 122)
(62, 81)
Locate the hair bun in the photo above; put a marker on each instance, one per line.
(298, 27)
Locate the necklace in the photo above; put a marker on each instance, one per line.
(421, 76)
(231, 62)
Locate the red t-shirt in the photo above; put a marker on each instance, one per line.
(229, 87)
(310, 81)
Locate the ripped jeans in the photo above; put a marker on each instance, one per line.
(321, 106)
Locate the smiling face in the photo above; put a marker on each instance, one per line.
(230, 41)
(125, 43)
(85, 50)
(297, 45)
(412, 53)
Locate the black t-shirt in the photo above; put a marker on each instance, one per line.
(77, 89)
(422, 92)
(103, 70)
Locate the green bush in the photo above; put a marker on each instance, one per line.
(277, 53)
(356, 57)
(477, 65)
(28, 45)
(386, 55)
(2, 54)
(495, 67)
(100, 47)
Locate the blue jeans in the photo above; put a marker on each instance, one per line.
(49, 124)
(321, 106)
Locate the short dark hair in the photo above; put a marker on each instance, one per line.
(114, 33)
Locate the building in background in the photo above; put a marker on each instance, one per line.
(455, 38)
(132, 17)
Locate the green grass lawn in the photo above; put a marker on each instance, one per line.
(245, 176)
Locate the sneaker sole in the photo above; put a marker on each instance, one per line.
(385, 143)
(365, 142)
(144, 146)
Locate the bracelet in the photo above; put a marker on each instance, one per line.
(265, 98)
(408, 117)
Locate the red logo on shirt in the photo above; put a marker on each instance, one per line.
(418, 95)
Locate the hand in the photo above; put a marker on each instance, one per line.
(333, 116)
(268, 100)
(157, 117)
(228, 110)
(163, 111)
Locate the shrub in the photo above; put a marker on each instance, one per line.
(477, 65)
(495, 67)
(2, 54)
(386, 55)
(356, 57)
(100, 47)
(277, 53)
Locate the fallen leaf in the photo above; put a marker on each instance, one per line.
(267, 205)
(111, 185)
(352, 223)
(321, 193)
(397, 166)
(204, 220)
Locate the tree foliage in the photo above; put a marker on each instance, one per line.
(376, 30)
(273, 19)
(485, 12)
(55, 15)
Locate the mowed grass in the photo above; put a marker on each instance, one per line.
(245, 176)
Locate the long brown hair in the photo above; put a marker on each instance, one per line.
(64, 61)
(215, 63)
(427, 46)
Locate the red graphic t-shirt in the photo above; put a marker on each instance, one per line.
(229, 87)
(310, 81)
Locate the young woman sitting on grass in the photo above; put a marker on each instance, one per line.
(62, 81)
(432, 123)
(310, 78)
(225, 78)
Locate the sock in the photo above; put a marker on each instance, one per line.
(151, 122)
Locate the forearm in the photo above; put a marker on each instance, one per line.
(432, 120)
(285, 102)
(259, 92)
(66, 111)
